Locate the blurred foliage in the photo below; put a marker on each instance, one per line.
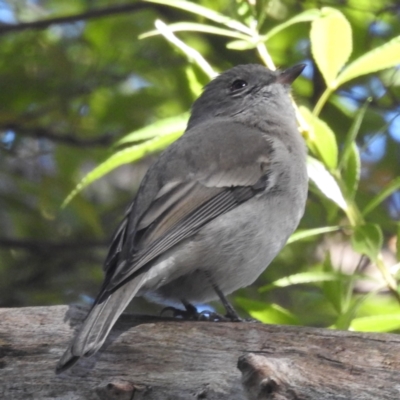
(85, 90)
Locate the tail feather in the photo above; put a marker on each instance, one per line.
(98, 324)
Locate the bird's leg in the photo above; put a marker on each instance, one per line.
(231, 313)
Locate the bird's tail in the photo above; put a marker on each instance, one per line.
(98, 324)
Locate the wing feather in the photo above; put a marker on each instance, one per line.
(166, 231)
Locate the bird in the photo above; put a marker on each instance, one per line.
(213, 210)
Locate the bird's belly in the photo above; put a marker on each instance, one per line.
(232, 251)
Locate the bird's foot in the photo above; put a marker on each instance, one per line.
(178, 313)
(215, 317)
(232, 316)
(211, 316)
(235, 318)
(191, 313)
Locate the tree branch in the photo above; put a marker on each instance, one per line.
(156, 358)
(67, 139)
(92, 14)
(35, 245)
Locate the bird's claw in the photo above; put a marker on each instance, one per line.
(191, 313)
(177, 313)
(211, 316)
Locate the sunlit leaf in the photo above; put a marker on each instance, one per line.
(321, 139)
(390, 77)
(193, 55)
(307, 233)
(125, 156)
(196, 27)
(367, 239)
(241, 45)
(325, 182)
(301, 278)
(382, 57)
(377, 323)
(331, 43)
(161, 127)
(376, 304)
(266, 312)
(381, 196)
(206, 13)
(305, 16)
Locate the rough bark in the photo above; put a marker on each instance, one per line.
(160, 359)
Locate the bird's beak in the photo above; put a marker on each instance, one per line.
(287, 76)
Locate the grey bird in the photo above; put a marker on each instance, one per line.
(215, 208)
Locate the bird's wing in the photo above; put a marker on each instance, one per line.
(188, 194)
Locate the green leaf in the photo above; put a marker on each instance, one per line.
(196, 27)
(398, 243)
(305, 16)
(194, 84)
(125, 156)
(321, 139)
(377, 323)
(306, 233)
(241, 45)
(353, 132)
(325, 182)
(162, 127)
(331, 43)
(351, 170)
(247, 43)
(367, 239)
(206, 13)
(340, 293)
(266, 312)
(389, 189)
(348, 313)
(301, 278)
(382, 57)
(192, 55)
(376, 304)
(354, 305)
(336, 291)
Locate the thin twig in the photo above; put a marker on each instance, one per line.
(91, 14)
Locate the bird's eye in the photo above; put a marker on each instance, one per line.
(238, 85)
